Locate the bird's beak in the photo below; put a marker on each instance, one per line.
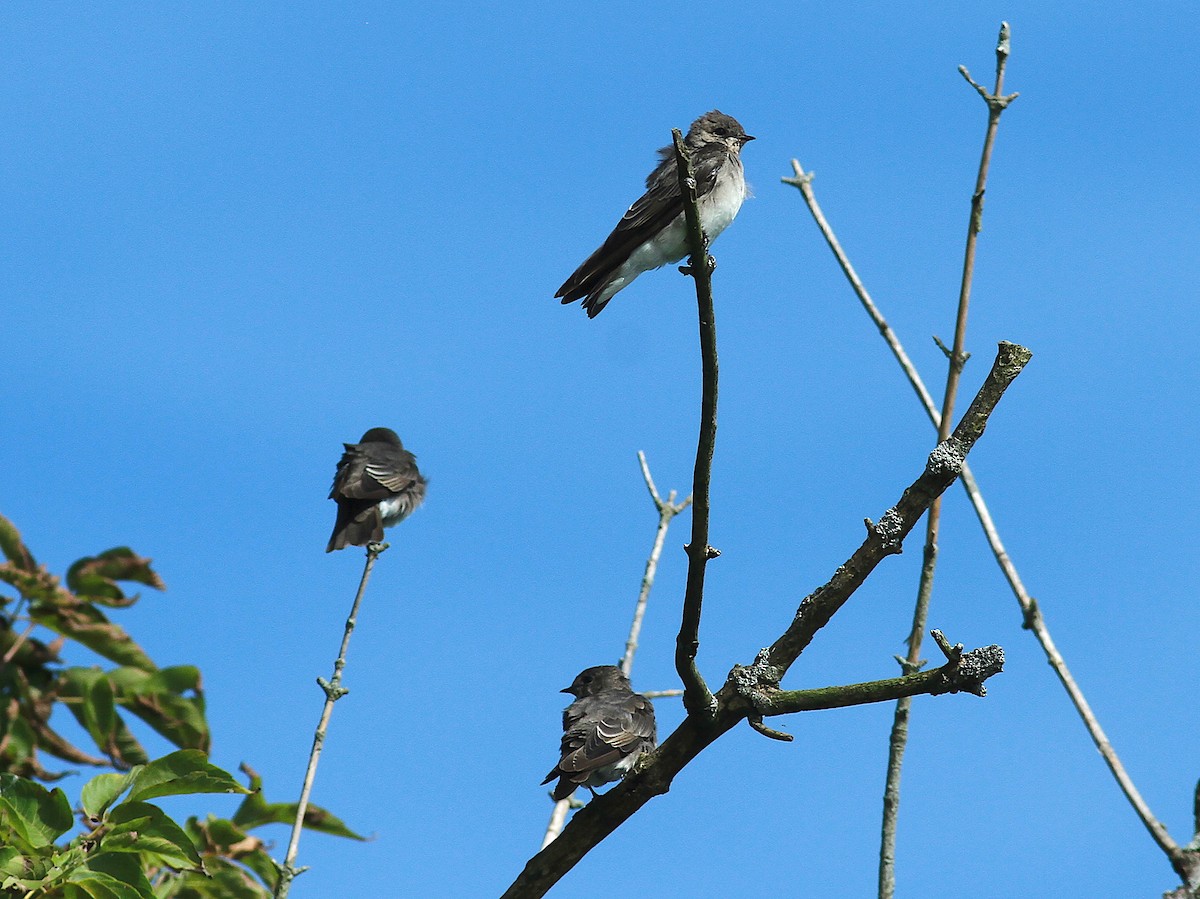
(747, 138)
(565, 690)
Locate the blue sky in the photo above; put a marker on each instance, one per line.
(235, 236)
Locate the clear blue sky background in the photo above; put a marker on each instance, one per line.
(235, 235)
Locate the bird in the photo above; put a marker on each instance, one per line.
(652, 232)
(376, 485)
(605, 731)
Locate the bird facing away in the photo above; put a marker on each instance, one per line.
(652, 232)
(376, 486)
(605, 731)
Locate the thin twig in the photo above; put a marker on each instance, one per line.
(1035, 623)
(884, 538)
(21, 638)
(697, 698)
(962, 673)
(898, 739)
(558, 817)
(1180, 861)
(604, 814)
(667, 510)
(334, 691)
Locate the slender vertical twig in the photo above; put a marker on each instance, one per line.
(898, 738)
(334, 691)
(749, 686)
(1031, 612)
(667, 509)
(697, 698)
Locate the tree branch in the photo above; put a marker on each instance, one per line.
(334, 691)
(655, 772)
(884, 538)
(1034, 621)
(965, 673)
(667, 510)
(697, 698)
(957, 358)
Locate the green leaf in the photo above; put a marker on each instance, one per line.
(255, 811)
(145, 828)
(35, 815)
(72, 617)
(227, 881)
(94, 578)
(157, 697)
(126, 746)
(35, 584)
(94, 708)
(322, 821)
(262, 865)
(183, 771)
(13, 547)
(17, 743)
(102, 790)
(109, 875)
(12, 862)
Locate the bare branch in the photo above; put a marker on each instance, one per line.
(697, 698)
(655, 772)
(756, 723)
(944, 465)
(667, 510)
(957, 360)
(963, 673)
(17, 643)
(649, 481)
(1031, 613)
(334, 691)
(661, 694)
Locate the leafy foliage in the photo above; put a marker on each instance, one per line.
(128, 847)
(33, 679)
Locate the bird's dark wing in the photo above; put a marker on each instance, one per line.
(373, 472)
(652, 212)
(606, 732)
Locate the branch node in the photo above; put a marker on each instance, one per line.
(1031, 615)
(333, 692)
(1004, 41)
(907, 667)
(997, 103)
(756, 722)
(889, 531)
(802, 178)
(967, 673)
(952, 653)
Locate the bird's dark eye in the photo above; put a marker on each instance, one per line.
(722, 132)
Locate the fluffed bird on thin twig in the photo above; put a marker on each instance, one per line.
(376, 485)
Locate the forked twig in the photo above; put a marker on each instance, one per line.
(1181, 861)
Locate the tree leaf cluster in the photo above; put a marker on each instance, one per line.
(125, 846)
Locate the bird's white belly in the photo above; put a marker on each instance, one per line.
(721, 205)
(718, 208)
